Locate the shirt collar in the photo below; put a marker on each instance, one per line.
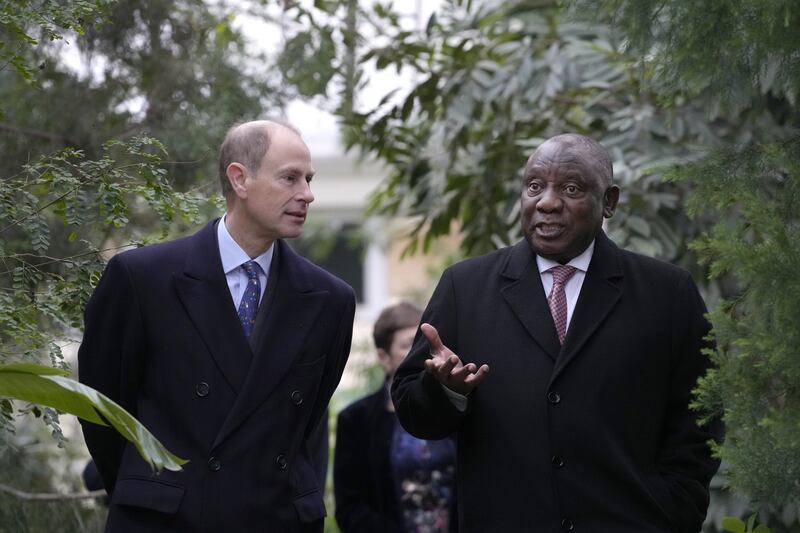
(580, 262)
(232, 254)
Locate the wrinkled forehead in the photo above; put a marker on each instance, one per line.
(565, 156)
(557, 153)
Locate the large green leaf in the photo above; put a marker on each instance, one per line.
(49, 386)
(733, 524)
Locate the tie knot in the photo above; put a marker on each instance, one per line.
(252, 269)
(562, 273)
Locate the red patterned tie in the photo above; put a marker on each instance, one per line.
(557, 300)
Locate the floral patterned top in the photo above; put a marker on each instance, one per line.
(423, 472)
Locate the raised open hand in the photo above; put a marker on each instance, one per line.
(447, 367)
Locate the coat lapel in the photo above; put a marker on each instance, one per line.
(602, 288)
(525, 295)
(204, 293)
(293, 310)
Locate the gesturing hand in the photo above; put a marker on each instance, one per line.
(446, 366)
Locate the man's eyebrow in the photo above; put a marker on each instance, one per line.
(292, 169)
(530, 170)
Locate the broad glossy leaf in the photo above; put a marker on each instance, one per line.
(732, 524)
(50, 386)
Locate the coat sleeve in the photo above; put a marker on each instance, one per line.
(422, 406)
(685, 461)
(108, 361)
(351, 480)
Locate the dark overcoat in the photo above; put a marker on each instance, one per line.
(163, 340)
(595, 436)
(362, 472)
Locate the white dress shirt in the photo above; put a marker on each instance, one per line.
(233, 257)
(572, 289)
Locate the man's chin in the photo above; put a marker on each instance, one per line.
(292, 232)
(553, 251)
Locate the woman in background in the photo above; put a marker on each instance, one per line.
(384, 479)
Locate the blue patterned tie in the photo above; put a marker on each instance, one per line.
(248, 307)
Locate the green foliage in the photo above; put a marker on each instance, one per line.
(727, 53)
(61, 215)
(48, 386)
(302, 55)
(176, 70)
(53, 212)
(755, 192)
(490, 81)
(739, 57)
(25, 23)
(736, 525)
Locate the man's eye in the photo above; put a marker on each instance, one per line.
(534, 187)
(571, 189)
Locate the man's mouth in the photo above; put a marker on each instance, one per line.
(299, 215)
(548, 230)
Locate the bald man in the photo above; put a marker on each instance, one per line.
(565, 365)
(227, 345)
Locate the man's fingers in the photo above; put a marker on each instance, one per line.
(448, 364)
(461, 372)
(443, 364)
(474, 379)
(433, 338)
(469, 373)
(454, 375)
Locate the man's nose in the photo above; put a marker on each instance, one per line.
(305, 193)
(549, 200)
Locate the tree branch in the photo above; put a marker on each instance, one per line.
(40, 496)
(38, 134)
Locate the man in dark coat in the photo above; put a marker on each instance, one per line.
(565, 365)
(227, 345)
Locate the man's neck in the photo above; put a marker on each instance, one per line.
(252, 245)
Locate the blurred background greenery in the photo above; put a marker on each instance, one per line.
(697, 102)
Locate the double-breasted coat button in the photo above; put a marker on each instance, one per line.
(214, 464)
(281, 462)
(567, 525)
(553, 397)
(557, 461)
(297, 397)
(202, 389)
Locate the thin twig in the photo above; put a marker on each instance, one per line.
(44, 496)
(56, 259)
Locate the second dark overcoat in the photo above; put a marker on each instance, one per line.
(595, 436)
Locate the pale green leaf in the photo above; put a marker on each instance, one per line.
(732, 524)
(49, 386)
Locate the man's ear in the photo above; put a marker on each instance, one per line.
(237, 176)
(610, 200)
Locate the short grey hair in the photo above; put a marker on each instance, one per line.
(246, 143)
(601, 160)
